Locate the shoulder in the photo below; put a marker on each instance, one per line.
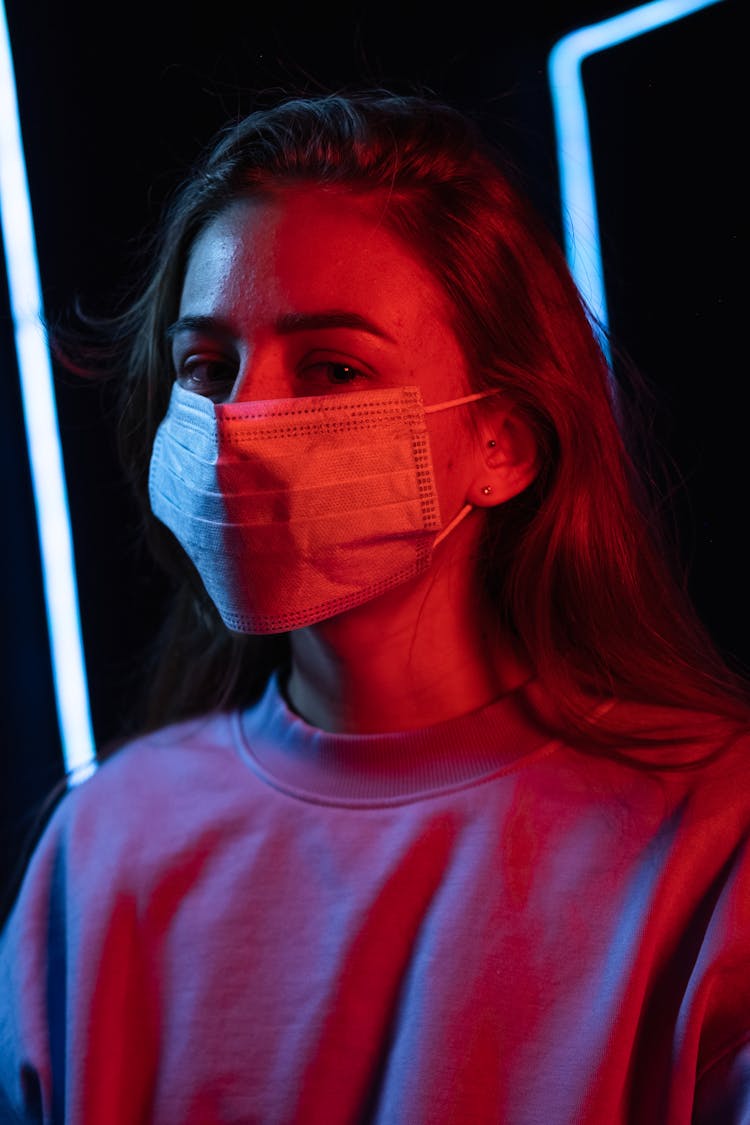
(174, 756)
(722, 782)
(170, 753)
(678, 741)
(702, 778)
(144, 800)
(686, 770)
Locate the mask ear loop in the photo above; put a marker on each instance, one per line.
(457, 401)
(467, 507)
(454, 523)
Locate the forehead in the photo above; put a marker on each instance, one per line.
(310, 247)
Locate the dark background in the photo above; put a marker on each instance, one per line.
(115, 101)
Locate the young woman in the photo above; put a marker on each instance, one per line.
(439, 810)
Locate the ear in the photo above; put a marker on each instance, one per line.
(506, 457)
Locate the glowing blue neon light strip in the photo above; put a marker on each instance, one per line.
(40, 415)
(577, 193)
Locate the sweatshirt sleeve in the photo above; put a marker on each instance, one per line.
(31, 987)
(76, 1034)
(723, 1094)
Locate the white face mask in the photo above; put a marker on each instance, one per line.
(295, 510)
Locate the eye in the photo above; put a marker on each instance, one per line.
(333, 371)
(206, 375)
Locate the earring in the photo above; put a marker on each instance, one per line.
(487, 490)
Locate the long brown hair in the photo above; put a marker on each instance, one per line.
(581, 567)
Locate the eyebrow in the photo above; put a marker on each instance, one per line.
(286, 324)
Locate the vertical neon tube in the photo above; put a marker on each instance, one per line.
(574, 161)
(42, 435)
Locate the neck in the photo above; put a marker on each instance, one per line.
(415, 656)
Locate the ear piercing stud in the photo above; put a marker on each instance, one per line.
(487, 490)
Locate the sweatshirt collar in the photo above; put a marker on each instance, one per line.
(395, 766)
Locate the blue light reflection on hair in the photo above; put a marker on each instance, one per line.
(575, 166)
(40, 418)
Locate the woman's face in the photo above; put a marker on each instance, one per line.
(310, 294)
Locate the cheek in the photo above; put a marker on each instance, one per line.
(452, 460)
